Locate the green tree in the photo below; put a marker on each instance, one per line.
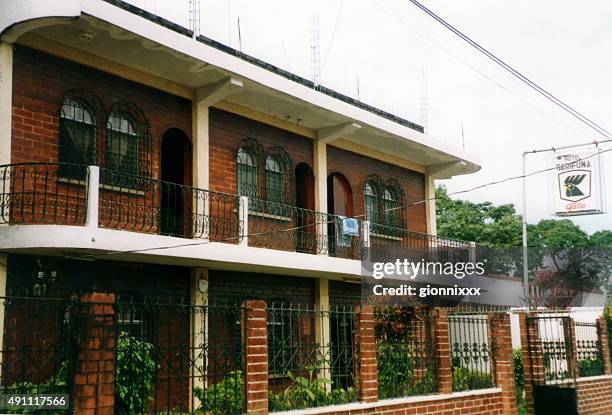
(484, 223)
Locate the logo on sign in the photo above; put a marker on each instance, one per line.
(575, 185)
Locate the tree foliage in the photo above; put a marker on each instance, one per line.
(560, 253)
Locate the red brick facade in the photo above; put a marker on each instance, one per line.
(40, 82)
(356, 168)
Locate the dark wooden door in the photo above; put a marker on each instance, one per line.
(306, 235)
(340, 203)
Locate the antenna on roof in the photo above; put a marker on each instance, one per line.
(315, 49)
(239, 36)
(424, 98)
(194, 17)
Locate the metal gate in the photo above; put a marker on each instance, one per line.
(553, 373)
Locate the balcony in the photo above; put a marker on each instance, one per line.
(77, 195)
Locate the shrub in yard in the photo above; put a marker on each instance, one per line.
(223, 398)
(135, 375)
(309, 392)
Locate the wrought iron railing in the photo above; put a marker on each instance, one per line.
(37, 353)
(177, 358)
(57, 193)
(588, 350)
(391, 243)
(312, 357)
(290, 228)
(550, 347)
(471, 351)
(153, 206)
(43, 193)
(404, 352)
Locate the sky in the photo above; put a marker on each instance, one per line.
(389, 54)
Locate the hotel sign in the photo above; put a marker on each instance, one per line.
(577, 184)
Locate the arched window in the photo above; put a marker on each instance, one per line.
(121, 143)
(371, 199)
(390, 208)
(275, 180)
(127, 147)
(77, 119)
(246, 173)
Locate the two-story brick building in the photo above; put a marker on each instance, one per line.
(141, 159)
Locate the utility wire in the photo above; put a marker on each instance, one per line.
(558, 102)
(394, 14)
(199, 243)
(331, 42)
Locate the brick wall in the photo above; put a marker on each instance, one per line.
(235, 287)
(356, 168)
(226, 132)
(477, 403)
(595, 395)
(40, 81)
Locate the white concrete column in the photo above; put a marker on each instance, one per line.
(322, 328)
(93, 197)
(320, 173)
(200, 165)
(199, 330)
(3, 278)
(430, 205)
(6, 101)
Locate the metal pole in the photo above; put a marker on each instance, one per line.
(525, 249)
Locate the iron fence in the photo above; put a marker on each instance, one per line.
(550, 348)
(179, 358)
(405, 352)
(37, 352)
(41, 193)
(312, 356)
(471, 350)
(146, 205)
(290, 228)
(588, 349)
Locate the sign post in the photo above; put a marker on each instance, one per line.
(577, 189)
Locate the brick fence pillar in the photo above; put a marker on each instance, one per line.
(503, 365)
(368, 366)
(93, 391)
(256, 357)
(442, 351)
(531, 356)
(602, 336)
(571, 349)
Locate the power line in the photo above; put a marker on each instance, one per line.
(331, 42)
(238, 237)
(558, 102)
(394, 14)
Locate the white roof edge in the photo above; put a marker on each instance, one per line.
(29, 10)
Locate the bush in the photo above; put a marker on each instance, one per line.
(56, 384)
(587, 367)
(309, 392)
(465, 379)
(135, 375)
(222, 398)
(519, 380)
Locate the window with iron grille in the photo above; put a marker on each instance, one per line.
(390, 208)
(275, 181)
(372, 202)
(247, 173)
(121, 144)
(384, 208)
(78, 132)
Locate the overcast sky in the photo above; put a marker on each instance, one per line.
(377, 51)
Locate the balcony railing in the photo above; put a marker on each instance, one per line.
(68, 194)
